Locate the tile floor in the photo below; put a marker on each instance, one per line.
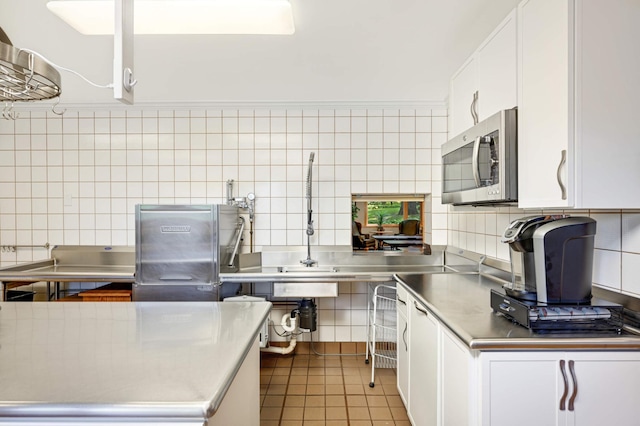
(305, 389)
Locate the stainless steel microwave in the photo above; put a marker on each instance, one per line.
(479, 166)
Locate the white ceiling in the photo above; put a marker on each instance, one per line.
(343, 51)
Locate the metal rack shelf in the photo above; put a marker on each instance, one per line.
(381, 328)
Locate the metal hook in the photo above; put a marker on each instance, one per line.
(53, 108)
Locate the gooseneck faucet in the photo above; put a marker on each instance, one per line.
(308, 261)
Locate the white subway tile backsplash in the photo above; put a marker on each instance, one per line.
(606, 268)
(631, 232)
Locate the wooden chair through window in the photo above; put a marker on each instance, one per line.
(409, 227)
(361, 241)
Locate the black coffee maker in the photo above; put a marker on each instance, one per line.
(551, 258)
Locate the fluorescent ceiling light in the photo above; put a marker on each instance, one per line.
(95, 17)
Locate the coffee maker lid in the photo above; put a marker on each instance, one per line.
(516, 229)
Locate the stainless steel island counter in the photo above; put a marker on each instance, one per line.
(146, 362)
(462, 303)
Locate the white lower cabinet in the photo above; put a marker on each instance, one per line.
(559, 388)
(455, 367)
(402, 371)
(442, 382)
(423, 365)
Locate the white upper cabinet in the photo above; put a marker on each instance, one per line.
(578, 89)
(486, 82)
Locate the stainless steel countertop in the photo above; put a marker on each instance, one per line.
(144, 360)
(462, 303)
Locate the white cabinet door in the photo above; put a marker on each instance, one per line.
(402, 362)
(606, 383)
(491, 72)
(521, 388)
(496, 61)
(545, 124)
(596, 388)
(423, 366)
(462, 88)
(577, 95)
(455, 364)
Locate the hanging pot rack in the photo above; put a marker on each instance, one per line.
(24, 76)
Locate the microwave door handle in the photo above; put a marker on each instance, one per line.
(475, 161)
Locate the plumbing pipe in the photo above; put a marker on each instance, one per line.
(284, 350)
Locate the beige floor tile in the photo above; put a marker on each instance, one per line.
(334, 380)
(316, 371)
(299, 371)
(336, 423)
(333, 362)
(353, 389)
(268, 362)
(336, 413)
(314, 401)
(284, 361)
(269, 423)
(394, 401)
(316, 363)
(298, 380)
(314, 413)
(360, 423)
(377, 401)
(352, 380)
(270, 413)
(383, 423)
(276, 390)
(380, 413)
(281, 371)
(290, 423)
(314, 423)
(297, 390)
(292, 413)
(356, 401)
(279, 380)
(390, 389)
(315, 389)
(316, 380)
(398, 413)
(295, 401)
(403, 423)
(376, 390)
(273, 401)
(359, 413)
(334, 389)
(350, 371)
(335, 401)
(266, 371)
(333, 371)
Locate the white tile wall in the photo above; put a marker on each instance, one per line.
(76, 179)
(617, 240)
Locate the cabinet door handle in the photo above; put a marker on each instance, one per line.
(419, 309)
(575, 384)
(404, 337)
(566, 385)
(400, 300)
(563, 160)
(474, 112)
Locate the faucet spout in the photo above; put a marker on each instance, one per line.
(308, 261)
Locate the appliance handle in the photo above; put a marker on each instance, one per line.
(400, 300)
(566, 385)
(235, 248)
(575, 384)
(563, 160)
(475, 161)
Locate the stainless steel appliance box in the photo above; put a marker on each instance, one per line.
(479, 166)
(182, 249)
